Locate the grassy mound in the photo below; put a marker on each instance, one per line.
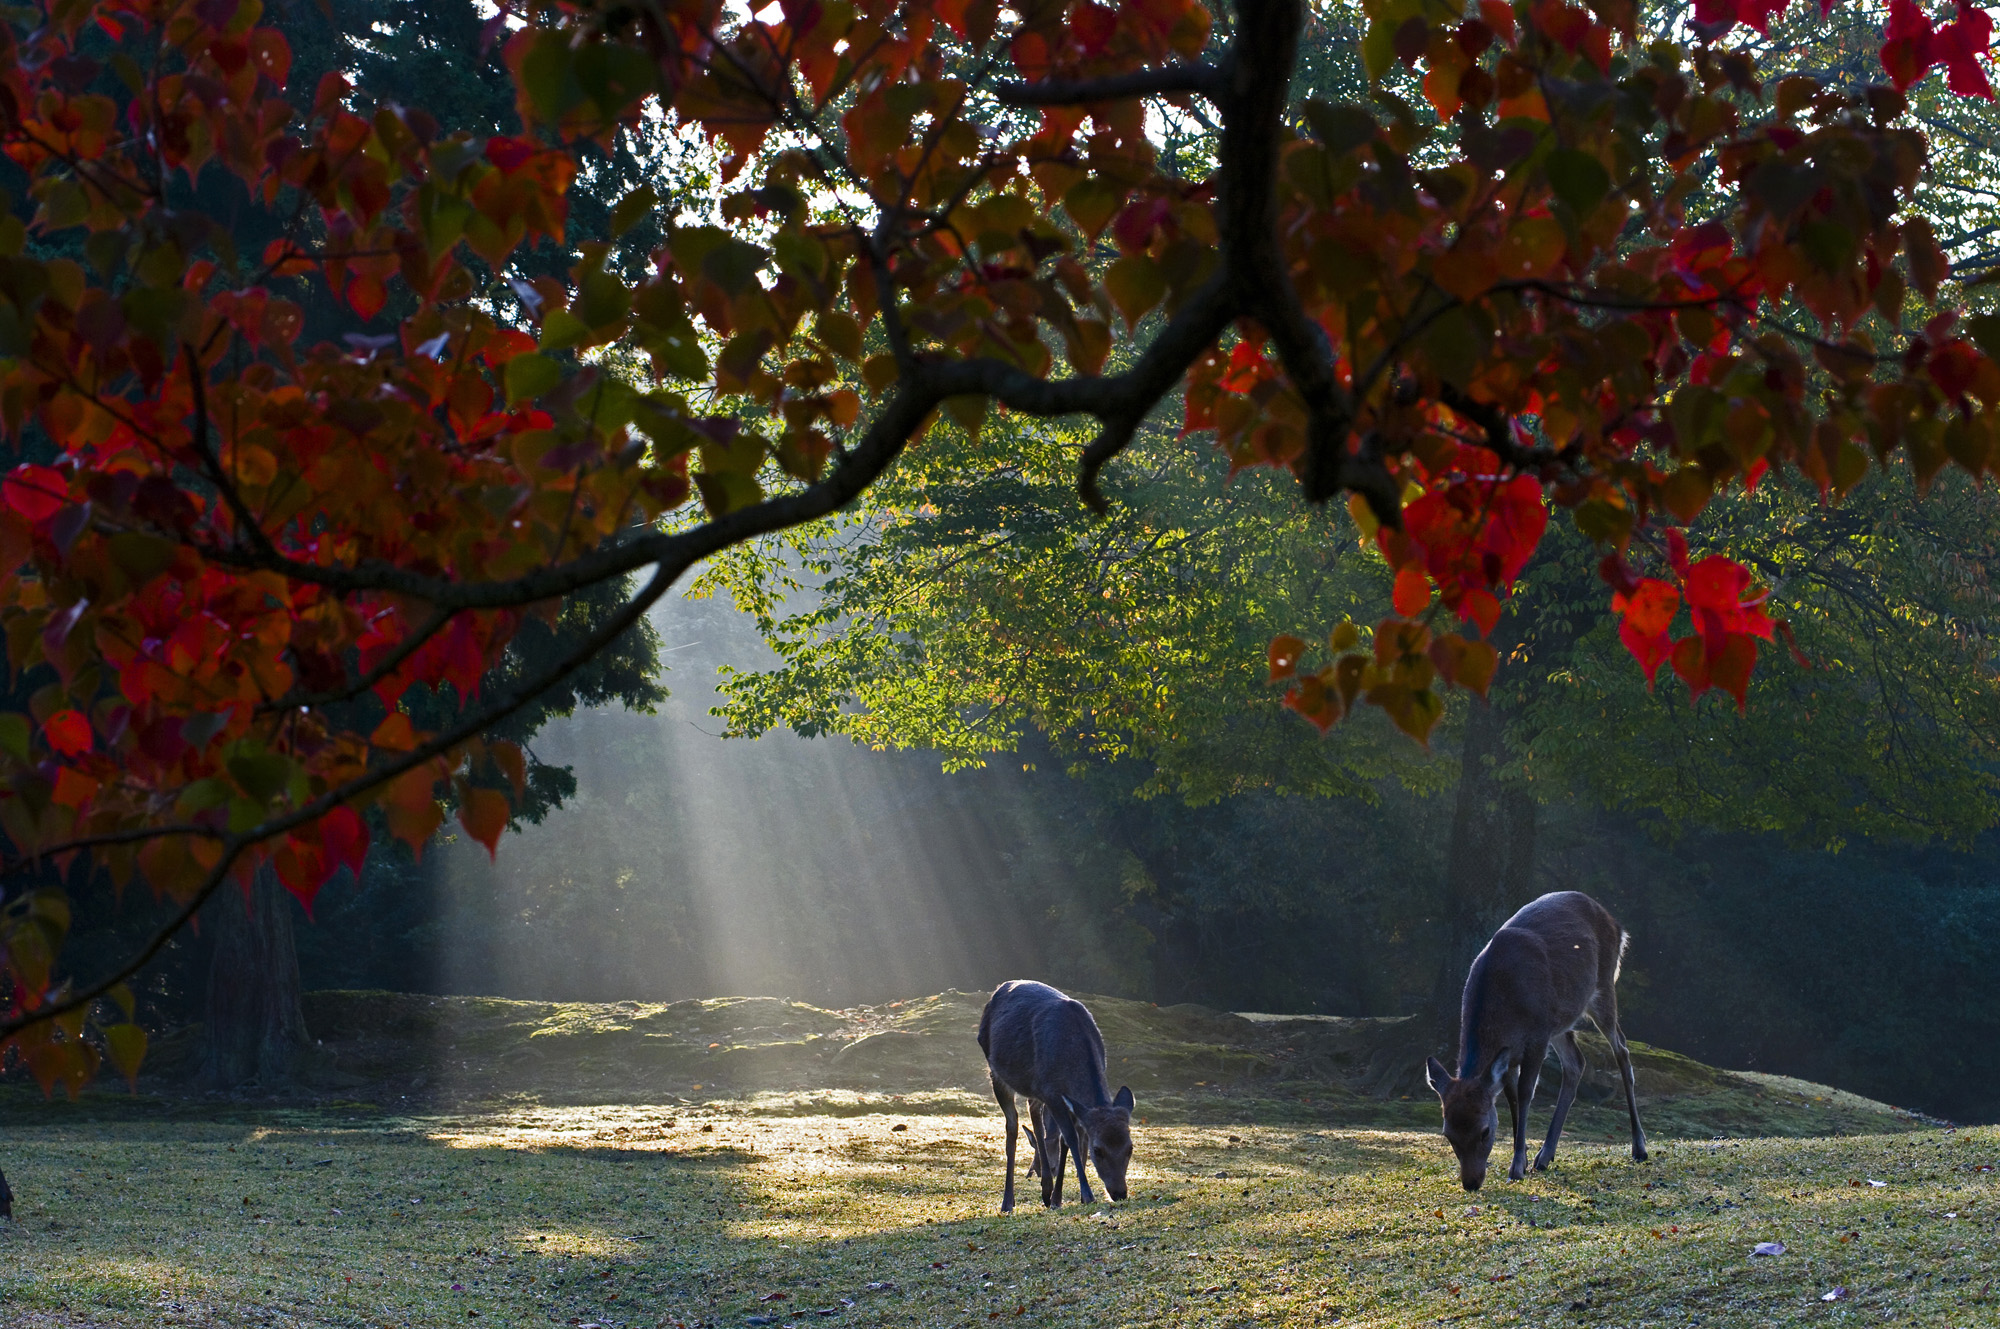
(400, 1052)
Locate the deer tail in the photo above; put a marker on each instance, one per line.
(1624, 944)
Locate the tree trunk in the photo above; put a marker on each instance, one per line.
(256, 1024)
(1490, 871)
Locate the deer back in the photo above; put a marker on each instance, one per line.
(1044, 1045)
(1537, 976)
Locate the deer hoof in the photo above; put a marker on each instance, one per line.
(1518, 1171)
(1639, 1152)
(1542, 1162)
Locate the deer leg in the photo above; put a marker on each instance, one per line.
(1052, 1164)
(1523, 1080)
(1013, 1115)
(1054, 1153)
(1572, 1068)
(1605, 1012)
(1045, 1143)
(1071, 1135)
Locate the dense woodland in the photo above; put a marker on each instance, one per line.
(1004, 737)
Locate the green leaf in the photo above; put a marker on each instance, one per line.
(1829, 245)
(1135, 285)
(1342, 126)
(1453, 344)
(529, 376)
(601, 300)
(630, 210)
(139, 556)
(263, 775)
(560, 331)
(802, 257)
(614, 75)
(1378, 47)
(1984, 329)
(733, 265)
(548, 75)
(14, 731)
(1579, 179)
(1091, 203)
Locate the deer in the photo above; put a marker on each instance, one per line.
(1555, 961)
(1045, 1047)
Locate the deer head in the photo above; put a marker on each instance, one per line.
(1471, 1115)
(1109, 1131)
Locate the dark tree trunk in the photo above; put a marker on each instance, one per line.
(1490, 870)
(1489, 873)
(256, 1024)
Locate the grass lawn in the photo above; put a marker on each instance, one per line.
(877, 1211)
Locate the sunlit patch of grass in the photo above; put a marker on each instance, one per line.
(692, 1213)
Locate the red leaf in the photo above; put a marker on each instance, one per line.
(1906, 46)
(345, 837)
(1677, 550)
(36, 492)
(302, 868)
(1648, 651)
(1792, 644)
(509, 154)
(68, 733)
(1094, 26)
(1413, 590)
(1691, 663)
(1958, 46)
(1730, 669)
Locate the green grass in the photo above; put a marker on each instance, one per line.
(690, 1213)
(474, 1162)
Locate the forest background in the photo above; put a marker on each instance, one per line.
(1066, 762)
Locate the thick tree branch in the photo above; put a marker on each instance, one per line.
(1191, 77)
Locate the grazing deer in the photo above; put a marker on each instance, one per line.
(1546, 968)
(1043, 1046)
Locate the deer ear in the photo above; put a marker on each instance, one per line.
(1074, 1115)
(1499, 1071)
(1437, 1076)
(1124, 1099)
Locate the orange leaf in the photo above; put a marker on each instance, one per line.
(411, 807)
(1284, 652)
(484, 813)
(395, 733)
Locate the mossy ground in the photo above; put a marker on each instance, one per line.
(1266, 1191)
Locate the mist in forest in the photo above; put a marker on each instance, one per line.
(688, 865)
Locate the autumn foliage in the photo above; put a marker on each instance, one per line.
(227, 555)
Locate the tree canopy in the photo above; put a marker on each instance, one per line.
(1622, 272)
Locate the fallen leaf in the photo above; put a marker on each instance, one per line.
(1838, 1294)
(1768, 1248)
(776, 1296)
(1873, 1182)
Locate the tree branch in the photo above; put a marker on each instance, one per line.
(1194, 76)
